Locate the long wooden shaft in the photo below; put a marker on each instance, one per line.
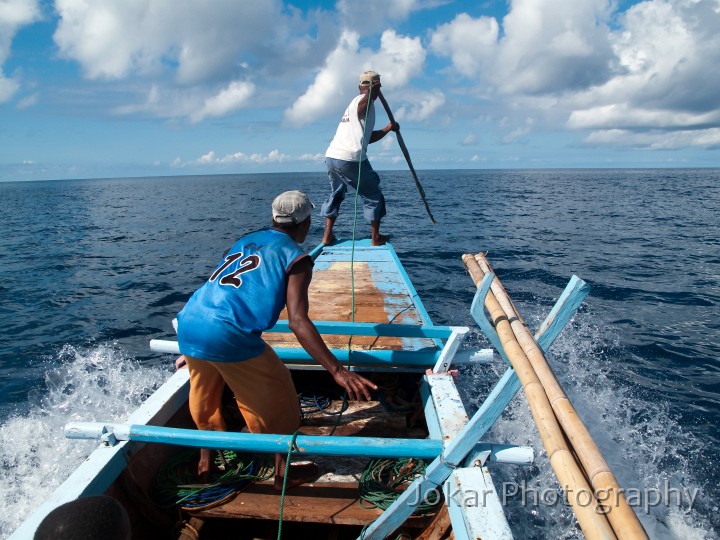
(585, 506)
(621, 516)
(407, 157)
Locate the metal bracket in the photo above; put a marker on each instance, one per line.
(108, 437)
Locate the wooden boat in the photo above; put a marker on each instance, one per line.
(371, 317)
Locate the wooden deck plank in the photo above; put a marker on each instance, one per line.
(380, 297)
(330, 502)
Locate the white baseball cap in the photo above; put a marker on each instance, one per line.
(291, 207)
(368, 77)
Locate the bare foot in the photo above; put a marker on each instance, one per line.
(203, 469)
(380, 240)
(300, 473)
(329, 240)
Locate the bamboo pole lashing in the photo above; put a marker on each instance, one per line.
(569, 473)
(621, 516)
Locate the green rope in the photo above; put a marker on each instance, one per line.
(285, 477)
(352, 290)
(176, 483)
(355, 220)
(384, 480)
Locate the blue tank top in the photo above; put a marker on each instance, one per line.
(224, 320)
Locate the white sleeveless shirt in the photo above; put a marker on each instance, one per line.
(348, 143)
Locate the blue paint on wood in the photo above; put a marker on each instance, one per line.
(477, 310)
(448, 406)
(372, 329)
(403, 507)
(454, 453)
(388, 358)
(305, 444)
(409, 286)
(431, 417)
(474, 506)
(457, 518)
(567, 305)
(316, 251)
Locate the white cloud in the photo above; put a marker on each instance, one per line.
(330, 86)
(654, 70)
(319, 158)
(8, 88)
(470, 43)
(114, 38)
(520, 131)
(398, 60)
(665, 51)
(28, 101)
(553, 45)
(14, 14)
(658, 140)
(388, 142)
(232, 98)
(422, 107)
(622, 115)
(274, 156)
(369, 15)
(545, 46)
(194, 104)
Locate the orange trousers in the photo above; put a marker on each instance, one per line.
(263, 388)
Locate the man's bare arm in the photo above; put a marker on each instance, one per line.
(356, 386)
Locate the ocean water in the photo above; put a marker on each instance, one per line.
(90, 270)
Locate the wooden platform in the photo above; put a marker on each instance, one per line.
(383, 294)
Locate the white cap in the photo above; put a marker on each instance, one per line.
(368, 77)
(291, 207)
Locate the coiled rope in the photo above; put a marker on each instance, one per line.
(384, 480)
(176, 483)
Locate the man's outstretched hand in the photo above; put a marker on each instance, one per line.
(357, 387)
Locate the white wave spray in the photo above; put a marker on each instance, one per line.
(651, 456)
(97, 384)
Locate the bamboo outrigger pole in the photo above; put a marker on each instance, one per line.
(613, 503)
(407, 157)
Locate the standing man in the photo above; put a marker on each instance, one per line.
(220, 333)
(347, 163)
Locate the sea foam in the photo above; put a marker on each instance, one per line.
(97, 384)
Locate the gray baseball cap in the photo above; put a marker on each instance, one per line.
(291, 207)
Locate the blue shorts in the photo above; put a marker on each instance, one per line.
(345, 173)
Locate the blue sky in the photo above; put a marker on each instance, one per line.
(112, 88)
